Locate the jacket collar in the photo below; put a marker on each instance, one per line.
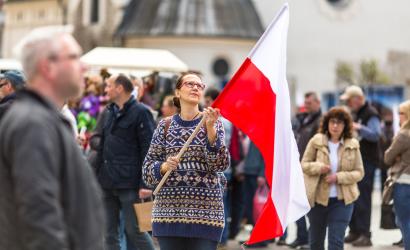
(47, 104)
(312, 116)
(34, 96)
(366, 104)
(322, 140)
(114, 107)
(8, 98)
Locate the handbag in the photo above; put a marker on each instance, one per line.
(388, 217)
(388, 187)
(259, 200)
(143, 211)
(387, 196)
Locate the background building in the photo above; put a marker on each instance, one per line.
(323, 32)
(211, 36)
(214, 36)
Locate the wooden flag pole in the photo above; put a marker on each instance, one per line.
(181, 152)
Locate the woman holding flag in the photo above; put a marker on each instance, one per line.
(332, 165)
(188, 210)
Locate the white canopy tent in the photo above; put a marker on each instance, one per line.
(133, 61)
(9, 64)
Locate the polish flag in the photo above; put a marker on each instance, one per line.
(257, 101)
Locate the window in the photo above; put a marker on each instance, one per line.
(95, 11)
(19, 16)
(339, 9)
(41, 14)
(339, 3)
(220, 67)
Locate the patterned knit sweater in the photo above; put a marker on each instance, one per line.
(190, 202)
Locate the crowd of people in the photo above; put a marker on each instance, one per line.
(52, 197)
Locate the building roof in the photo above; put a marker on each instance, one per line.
(20, 1)
(205, 18)
(130, 59)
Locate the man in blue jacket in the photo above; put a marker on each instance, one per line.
(126, 137)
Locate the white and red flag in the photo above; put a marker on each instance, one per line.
(257, 101)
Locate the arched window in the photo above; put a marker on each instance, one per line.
(339, 9)
(339, 3)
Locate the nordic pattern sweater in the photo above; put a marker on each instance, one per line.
(190, 203)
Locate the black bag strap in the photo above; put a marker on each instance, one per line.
(168, 124)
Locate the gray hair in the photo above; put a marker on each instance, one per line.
(38, 44)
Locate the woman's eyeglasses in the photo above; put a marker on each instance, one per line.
(191, 85)
(336, 122)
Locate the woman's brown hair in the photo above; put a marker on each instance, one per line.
(340, 114)
(180, 81)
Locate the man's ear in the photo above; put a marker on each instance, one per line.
(119, 88)
(46, 69)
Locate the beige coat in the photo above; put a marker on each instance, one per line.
(350, 170)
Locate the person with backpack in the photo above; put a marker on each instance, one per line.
(188, 211)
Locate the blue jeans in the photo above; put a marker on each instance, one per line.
(180, 243)
(335, 217)
(401, 198)
(124, 242)
(227, 212)
(123, 200)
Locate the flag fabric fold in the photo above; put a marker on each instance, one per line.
(257, 101)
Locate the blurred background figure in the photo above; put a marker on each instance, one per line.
(126, 135)
(168, 108)
(367, 127)
(398, 157)
(10, 82)
(306, 125)
(332, 165)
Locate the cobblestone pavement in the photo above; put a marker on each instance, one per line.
(382, 239)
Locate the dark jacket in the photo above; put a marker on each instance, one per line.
(306, 127)
(126, 138)
(368, 148)
(95, 140)
(5, 104)
(386, 140)
(49, 198)
(254, 163)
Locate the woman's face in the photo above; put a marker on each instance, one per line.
(191, 91)
(402, 117)
(336, 127)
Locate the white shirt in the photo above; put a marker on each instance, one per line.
(66, 112)
(334, 162)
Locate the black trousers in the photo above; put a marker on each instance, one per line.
(361, 218)
(237, 206)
